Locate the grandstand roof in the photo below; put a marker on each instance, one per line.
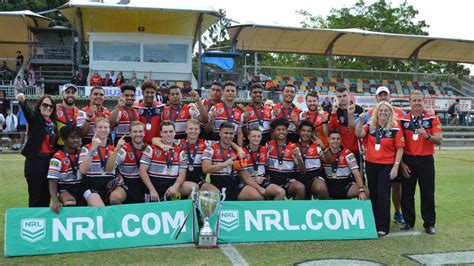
(349, 42)
(157, 17)
(14, 31)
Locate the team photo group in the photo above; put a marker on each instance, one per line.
(150, 151)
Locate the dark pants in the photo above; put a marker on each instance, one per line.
(422, 170)
(36, 172)
(378, 176)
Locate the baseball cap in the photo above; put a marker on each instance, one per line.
(381, 89)
(69, 86)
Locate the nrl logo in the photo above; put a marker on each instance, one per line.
(33, 230)
(229, 220)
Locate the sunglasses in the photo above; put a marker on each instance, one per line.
(45, 105)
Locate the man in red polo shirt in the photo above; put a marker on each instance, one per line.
(422, 131)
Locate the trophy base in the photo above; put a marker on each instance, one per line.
(207, 241)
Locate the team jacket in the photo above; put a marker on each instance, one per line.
(61, 168)
(179, 117)
(421, 146)
(344, 166)
(128, 162)
(97, 168)
(390, 141)
(155, 158)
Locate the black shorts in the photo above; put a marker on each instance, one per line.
(21, 128)
(232, 192)
(76, 191)
(161, 185)
(97, 184)
(338, 188)
(136, 190)
(195, 176)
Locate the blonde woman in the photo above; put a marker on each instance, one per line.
(384, 142)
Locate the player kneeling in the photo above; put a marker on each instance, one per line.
(312, 152)
(163, 172)
(218, 160)
(337, 184)
(65, 184)
(127, 161)
(257, 156)
(101, 186)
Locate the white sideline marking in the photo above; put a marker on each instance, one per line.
(409, 233)
(444, 258)
(233, 255)
(342, 262)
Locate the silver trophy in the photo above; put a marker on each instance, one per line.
(207, 202)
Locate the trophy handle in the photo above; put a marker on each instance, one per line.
(223, 194)
(194, 195)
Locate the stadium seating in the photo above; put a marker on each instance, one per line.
(326, 85)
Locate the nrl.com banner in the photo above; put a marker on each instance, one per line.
(289, 220)
(36, 231)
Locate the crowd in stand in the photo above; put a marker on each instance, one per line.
(149, 151)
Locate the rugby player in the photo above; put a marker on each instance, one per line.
(65, 186)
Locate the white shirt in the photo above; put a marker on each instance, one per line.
(11, 123)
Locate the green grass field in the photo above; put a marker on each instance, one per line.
(455, 210)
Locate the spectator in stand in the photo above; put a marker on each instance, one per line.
(113, 76)
(4, 103)
(2, 122)
(6, 72)
(31, 76)
(19, 61)
(107, 81)
(134, 80)
(327, 105)
(78, 79)
(120, 80)
(454, 113)
(96, 80)
(11, 122)
(20, 84)
(22, 125)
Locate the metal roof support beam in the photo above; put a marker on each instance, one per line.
(199, 33)
(416, 64)
(330, 63)
(80, 41)
(233, 42)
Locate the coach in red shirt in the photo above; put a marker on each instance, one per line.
(421, 131)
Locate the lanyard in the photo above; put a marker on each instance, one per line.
(97, 113)
(169, 159)
(128, 115)
(283, 113)
(260, 119)
(379, 133)
(68, 121)
(103, 161)
(416, 123)
(308, 117)
(149, 112)
(256, 160)
(334, 165)
(282, 154)
(191, 157)
(173, 119)
(209, 106)
(225, 158)
(304, 151)
(74, 163)
(137, 159)
(229, 118)
(50, 129)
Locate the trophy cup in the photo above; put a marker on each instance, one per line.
(207, 202)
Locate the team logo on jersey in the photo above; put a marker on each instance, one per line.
(406, 124)
(351, 157)
(167, 113)
(54, 163)
(270, 148)
(229, 220)
(251, 113)
(438, 126)
(220, 111)
(131, 156)
(60, 113)
(33, 230)
(218, 152)
(67, 161)
(342, 119)
(388, 134)
(402, 139)
(426, 124)
(158, 153)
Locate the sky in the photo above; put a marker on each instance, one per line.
(448, 19)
